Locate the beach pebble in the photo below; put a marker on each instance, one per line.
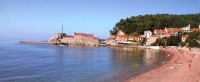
(172, 67)
(180, 64)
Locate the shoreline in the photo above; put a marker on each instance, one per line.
(168, 59)
(174, 70)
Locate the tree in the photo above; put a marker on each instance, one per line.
(159, 42)
(137, 24)
(174, 40)
(193, 39)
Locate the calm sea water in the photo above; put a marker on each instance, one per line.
(50, 63)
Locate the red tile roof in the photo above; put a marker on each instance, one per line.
(125, 36)
(167, 34)
(89, 35)
(68, 36)
(184, 36)
(122, 36)
(154, 36)
(194, 29)
(160, 31)
(174, 29)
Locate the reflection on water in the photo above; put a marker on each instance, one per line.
(130, 61)
(49, 63)
(139, 55)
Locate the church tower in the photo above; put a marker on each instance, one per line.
(62, 34)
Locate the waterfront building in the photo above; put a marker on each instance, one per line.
(68, 39)
(152, 39)
(129, 39)
(76, 39)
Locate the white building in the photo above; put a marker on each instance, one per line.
(186, 29)
(147, 34)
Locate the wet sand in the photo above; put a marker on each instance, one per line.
(183, 67)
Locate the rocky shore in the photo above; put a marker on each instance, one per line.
(183, 67)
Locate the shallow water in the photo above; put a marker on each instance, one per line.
(50, 63)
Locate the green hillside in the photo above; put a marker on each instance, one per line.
(136, 25)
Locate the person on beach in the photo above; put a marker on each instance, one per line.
(189, 62)
(175, 62)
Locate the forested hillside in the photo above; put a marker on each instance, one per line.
(136, 25)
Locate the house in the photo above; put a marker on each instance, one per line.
(173, 31)
(186, 29)
(159, 32)
(194, 29)
(122, 39)
(183, 38)
(168, 31)
(152, 39)
(128, 39)
(147, 34)
(166, 35)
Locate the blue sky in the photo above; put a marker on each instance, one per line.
(41, 19)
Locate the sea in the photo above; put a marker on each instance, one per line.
(52, 63)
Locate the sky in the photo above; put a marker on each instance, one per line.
(41, 19)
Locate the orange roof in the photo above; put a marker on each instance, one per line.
(125, 36)
(180, 30)
(136, 37)
(184, 36)
(194, 29)
(89, 35)
(122, 36)
(162, 31)
(154, 36)
(68, 36)
(174, 29)
(167, 34)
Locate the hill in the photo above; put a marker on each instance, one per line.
(136, 25)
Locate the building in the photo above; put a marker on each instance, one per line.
(168, 31)
(152, 39)
(186, 29)
(183, 38)
(129, 39)
(165, 35)
(194, 29)
(68, 39)
(159, 32)
(173, 31)
(147, 34)
(76, 39)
